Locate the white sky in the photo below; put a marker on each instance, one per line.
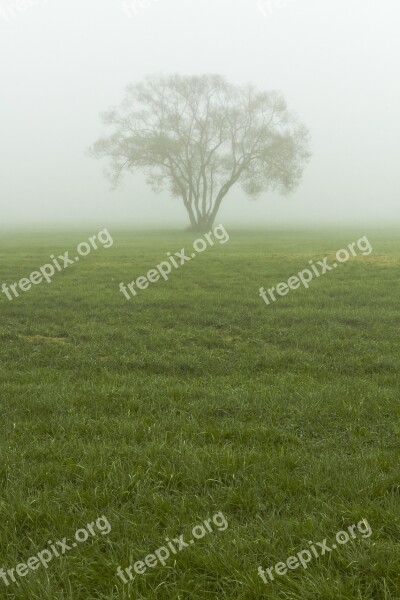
(62, 62)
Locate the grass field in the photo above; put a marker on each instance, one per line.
(196, 398)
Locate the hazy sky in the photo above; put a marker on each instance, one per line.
(62, 62)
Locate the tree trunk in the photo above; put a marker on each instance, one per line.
(203, 224)
(199, 222)
(192, 218)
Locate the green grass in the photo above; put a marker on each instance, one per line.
(194, 398)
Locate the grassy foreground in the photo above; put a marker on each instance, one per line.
(194, 398)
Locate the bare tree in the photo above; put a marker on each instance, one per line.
(199, 136)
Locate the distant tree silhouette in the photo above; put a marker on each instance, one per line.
(199, 136)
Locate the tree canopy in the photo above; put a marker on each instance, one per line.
(199, 136)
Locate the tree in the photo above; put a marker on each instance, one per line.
(199, 136)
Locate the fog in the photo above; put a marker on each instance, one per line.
(64, 62)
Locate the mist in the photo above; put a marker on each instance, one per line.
(63, 63)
